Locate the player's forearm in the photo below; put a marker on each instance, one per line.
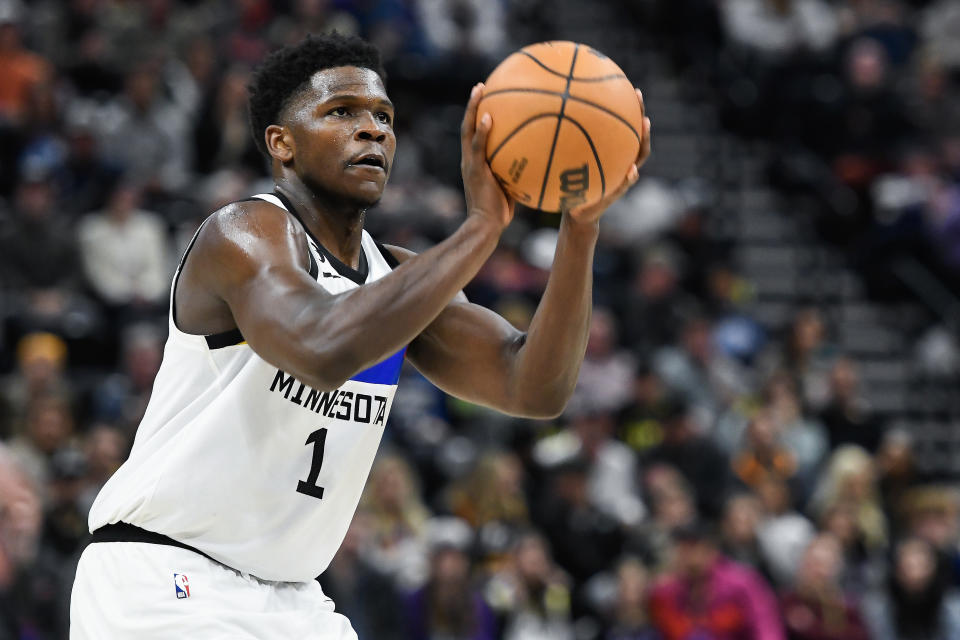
(374, 321)
(546, 366)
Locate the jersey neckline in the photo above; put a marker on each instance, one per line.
(358, 275)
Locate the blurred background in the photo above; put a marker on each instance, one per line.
(765, 437)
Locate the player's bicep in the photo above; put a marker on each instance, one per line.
(468, 351)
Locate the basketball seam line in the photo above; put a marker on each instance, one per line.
(517, 130)
(603, 182)
(574, 98)
(556, 133)
(609, 76)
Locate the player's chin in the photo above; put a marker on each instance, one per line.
(366, 195)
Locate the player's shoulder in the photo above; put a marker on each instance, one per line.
(249, 232)
(254, 216)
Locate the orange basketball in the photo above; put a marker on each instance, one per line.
(566, 124)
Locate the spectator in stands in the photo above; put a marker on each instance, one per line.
(704, 377)
(864, 563)
(918, 602)
(65, 519)
(363, 593)
(805, 355)
(105, 447)
(738, 533)
(462, 27)
(804, 437)
(49, 427)
(398, 519)
(850, 483)
(816, 608)
(84, 179)
(606, 374)
(708, 595)
(493, 492)
(630, 619)
(672, 506)
(933, 515)
(655, 304)
(898, 474)
(847, 415)
(492, 499)
(697, 458)
(21, 71)
(585, 541)
(222, 133)
(125, 253)
(939, 23)
(612, 465)
(41, 361)
(783, 532)
(448, 606)
(121, 399)
(762, 455)
(778, 28)
(531, 595)
(39, 254)
(146, 134)
(642, 422)
(20, 526)
(934, 100)
(869, 108)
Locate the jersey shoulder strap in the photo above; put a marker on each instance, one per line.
(387, 255)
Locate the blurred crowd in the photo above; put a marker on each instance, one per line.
(861, 100)
(710, 479)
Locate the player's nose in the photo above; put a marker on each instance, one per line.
(369, 128)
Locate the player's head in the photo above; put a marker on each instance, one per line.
(319, 109)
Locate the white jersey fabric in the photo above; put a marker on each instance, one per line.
(243, 462)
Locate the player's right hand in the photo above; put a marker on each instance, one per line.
(592, 212)
(485, 197)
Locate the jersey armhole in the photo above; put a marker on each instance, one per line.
(389, 257)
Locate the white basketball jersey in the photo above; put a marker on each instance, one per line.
(246, 463)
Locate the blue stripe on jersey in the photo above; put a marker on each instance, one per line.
(385, 372)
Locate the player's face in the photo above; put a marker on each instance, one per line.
(343, 130)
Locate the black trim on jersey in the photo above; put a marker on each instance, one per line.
(123, 532)
(389, 257)
(314, 267)
(224, 339)
(176, 278)
(230, 337)
(358, 275)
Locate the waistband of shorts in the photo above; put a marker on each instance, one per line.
(124, 532)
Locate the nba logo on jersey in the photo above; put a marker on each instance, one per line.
(182, 584)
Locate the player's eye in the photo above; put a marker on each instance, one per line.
(339, 111)
(384, 117)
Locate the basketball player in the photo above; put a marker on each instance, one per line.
(288, 327)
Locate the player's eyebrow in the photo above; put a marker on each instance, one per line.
(353, 97)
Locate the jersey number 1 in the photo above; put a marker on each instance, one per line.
(310, 486)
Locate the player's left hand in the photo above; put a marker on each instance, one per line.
(592, 212)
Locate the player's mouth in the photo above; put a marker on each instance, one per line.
(373, 161)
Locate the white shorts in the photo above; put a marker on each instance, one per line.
(148, 591)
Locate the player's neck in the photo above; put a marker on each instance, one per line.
(338, 225)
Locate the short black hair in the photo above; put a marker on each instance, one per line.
(284, 73)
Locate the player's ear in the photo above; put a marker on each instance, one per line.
(279, 142)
